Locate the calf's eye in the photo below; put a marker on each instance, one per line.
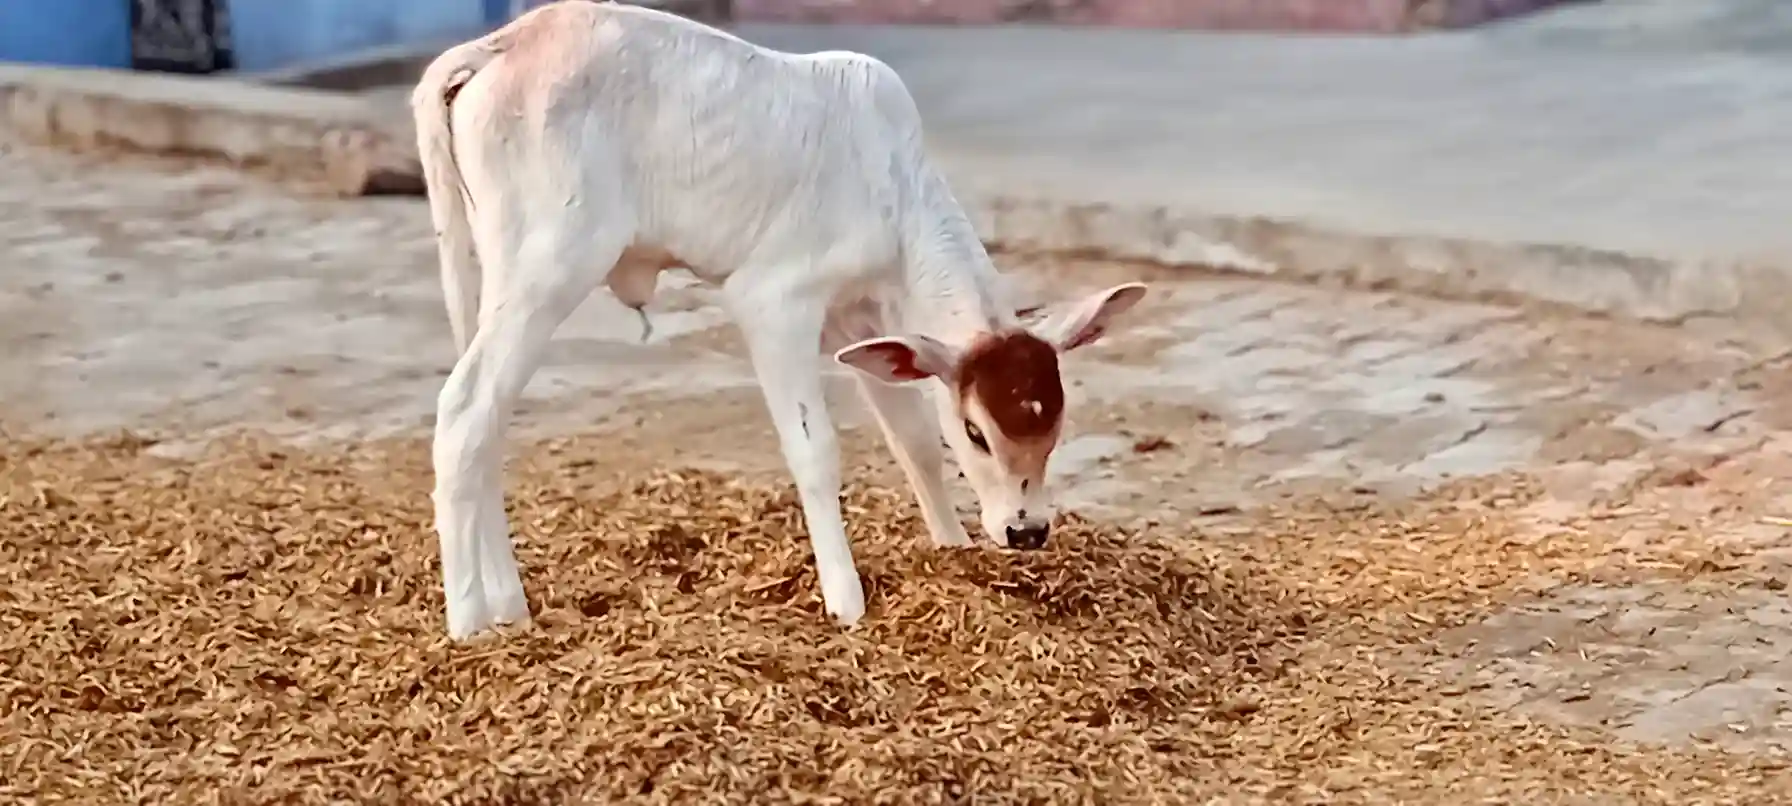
(975, 435)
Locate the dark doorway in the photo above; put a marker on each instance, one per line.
(181, 36)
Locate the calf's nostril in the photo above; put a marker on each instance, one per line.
(1027, 537)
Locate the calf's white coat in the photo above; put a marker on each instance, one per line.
(597, 143)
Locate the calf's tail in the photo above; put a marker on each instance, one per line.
(432, 108)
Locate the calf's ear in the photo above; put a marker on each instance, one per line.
(1087, 320)
(900, 359)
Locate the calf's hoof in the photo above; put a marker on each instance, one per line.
(844, 600)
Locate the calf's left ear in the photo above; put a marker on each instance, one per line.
(1087, 320)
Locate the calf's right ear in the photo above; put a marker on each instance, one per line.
(900, 359)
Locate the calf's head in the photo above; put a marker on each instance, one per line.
(1002, 403)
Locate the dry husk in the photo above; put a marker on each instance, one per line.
(264, 624)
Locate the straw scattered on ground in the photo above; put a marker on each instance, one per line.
(264, 624)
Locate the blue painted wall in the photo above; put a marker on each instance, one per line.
(265, 34)
(497, 12)
(94, 33)
(270, 34)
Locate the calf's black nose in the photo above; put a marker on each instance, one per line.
(1028, 537)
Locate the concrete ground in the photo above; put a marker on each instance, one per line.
(1621, 157)
(1645, 127)
(193, 301)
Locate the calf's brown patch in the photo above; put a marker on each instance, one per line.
(1014, 374)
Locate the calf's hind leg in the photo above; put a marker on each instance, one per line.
(533, 282)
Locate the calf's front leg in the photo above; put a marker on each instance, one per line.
(913, 434)
(782, 335)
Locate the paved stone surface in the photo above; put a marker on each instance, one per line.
(1652, 664)
(192, 300)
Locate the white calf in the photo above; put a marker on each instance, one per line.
(596, 143)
